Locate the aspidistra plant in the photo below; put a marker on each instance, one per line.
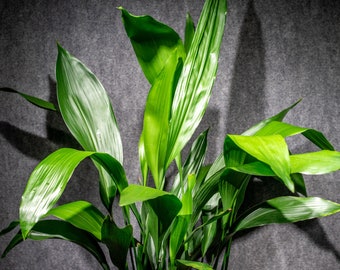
(192, 224)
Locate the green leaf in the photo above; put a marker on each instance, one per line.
(194, 161)
(118, 242)
(164, 204)
(82, 215)
(320, 162)
(189, 32)
(286, 209)
(278, 117)
(88, 114)
(57, 229)
(34, 100)
(286, 130)
(157, 116)
(271, 150)
(48, 181)
(195, 84)
(195, 265)
(153, 43)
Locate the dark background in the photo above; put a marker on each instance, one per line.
(273, 53)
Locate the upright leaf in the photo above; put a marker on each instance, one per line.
(195, 84)
(88, 114)
(189, 32)
(157, 116)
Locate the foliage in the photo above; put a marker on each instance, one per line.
(192, 224)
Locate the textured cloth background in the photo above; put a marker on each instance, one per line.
(273, 53)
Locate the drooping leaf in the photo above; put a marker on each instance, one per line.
(271, 150)
(82, 215)
(88, 114)
(286, 130)
(195, 84)
(57, 229)
(48, 181)
(286, 209)
(118, 241)
(164, 204)
(34, 100)
(153, 43)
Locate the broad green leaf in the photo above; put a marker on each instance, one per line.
(88, 114)
(195, 265)
(320, 162)
(137, 193)
(34, 100)
(278, 117)
(286, 209)
(157, 117)
(153, 43)
(165, 205)
(271, 150)
(82, 215)
(286, 130)
(48, 181)
(195, 84)
(118, 241)
(189, 32)
(57, 229)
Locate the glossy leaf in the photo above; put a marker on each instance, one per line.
(195, 84)
(57, 229)
(286, 130)
(34, 100)
(157, 117)
(153, 43)
(82, 215)
(316, 162)
(118, 241)
(88, 114)
(287, 209)
(48, 181)
(271, 150)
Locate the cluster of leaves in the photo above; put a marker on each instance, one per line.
(191, 225)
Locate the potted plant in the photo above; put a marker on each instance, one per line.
(186, 221)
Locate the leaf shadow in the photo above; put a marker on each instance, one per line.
(247, 99)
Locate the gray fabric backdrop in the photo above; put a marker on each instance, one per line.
(273, 53)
